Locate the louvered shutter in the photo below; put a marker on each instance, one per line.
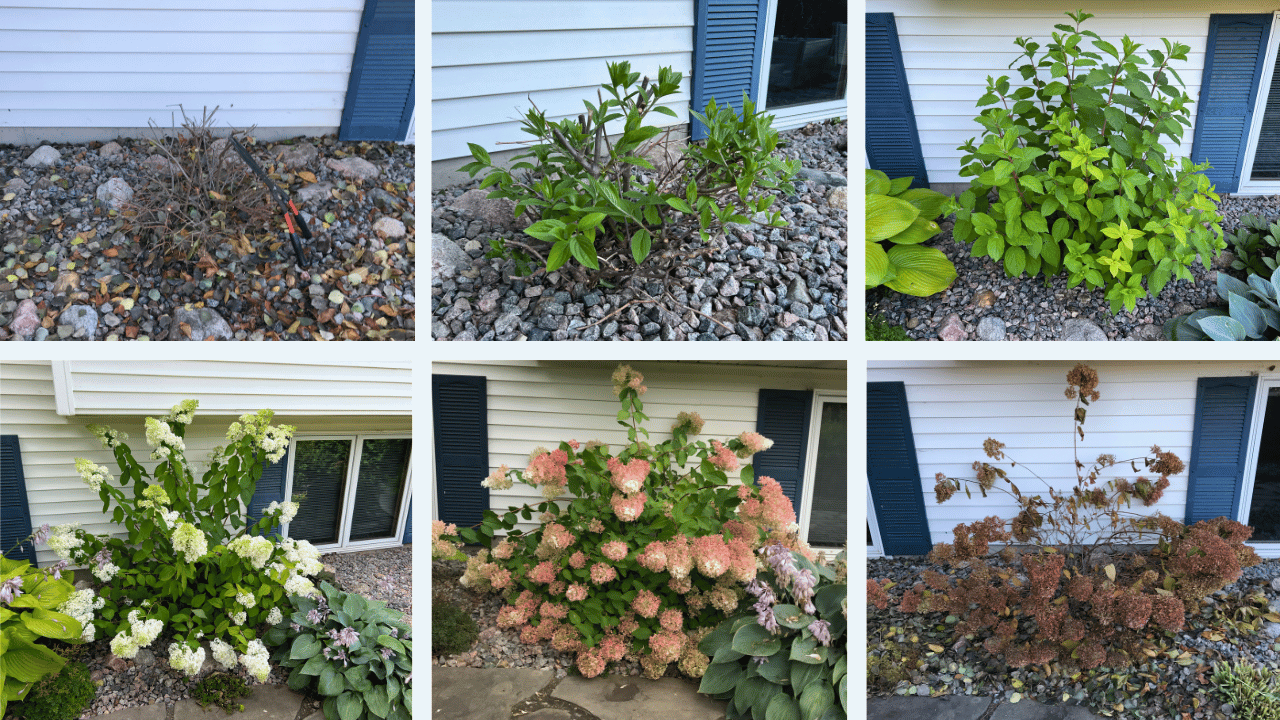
(892, 139)
(1233, 67)
(15, 516)
(893, 472)
(379, 101)
(727, 51)
(783, 417)
(460, 410)
(1220, 445)
(270, 488)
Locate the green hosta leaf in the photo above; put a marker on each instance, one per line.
(929, 202)
(721, 678)
(783, 707)
(28, 662)
(305, 646)
(877, 265)
(815, 699)
(877, 183)
(378, 701)
(315, 665)
(46, 623)
(777, 669)
(888, 216)
(358, 678)
(748, 692)
(754, 640)
(917, 232)
(790, 616)
(921, 271)
(897, 186)
(349, 706)
(331, 682)
(802, 674)
(807, 650)
(354, 606)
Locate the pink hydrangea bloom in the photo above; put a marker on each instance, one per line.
(553, 610)
(628, 477)
(680, 585)
(566, 639)
(529, 635)
(654, 557)
(646, 604)
(624, 377)
(557, 588)
(578, 560)
(742, 562)
(504, 550)
(723, 598)
(500, 578)
(557, 537)
(615, 550)
(711, 555)
(772, 509)
(509, 617)
(628, 509)
(753, 443)
(590, 663)
(679, 556)
(543, 573)
(613, 648)
(574, 444)
(548, 468)
(602, 573)
(671, 619)
(576, 592)
(666, 646)
(723, 457)
(595, 526)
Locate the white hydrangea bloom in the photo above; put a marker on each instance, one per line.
(238, 618)
(170, 517)
(110, 438)
(138, 635)
(246, 598)
(188, 540)
(80, 606)
(257, 550)
(255, 660)
(184, 412)
(275, 616)
(106, 571)
(290, 510)
(304, 556)
(275, 441)
(185, 659)
(92, 473)
(63, 540)
(298, 585)
(224, 654)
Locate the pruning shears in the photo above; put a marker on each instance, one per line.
(292, 218)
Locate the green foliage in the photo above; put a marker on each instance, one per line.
(1083, 183)
(769, 664)
(880, 329)
(355, 652)
(182, 561)
(452, 628)
(637, 551)
(903, 218)
(1255, 244)
(1253, 313)
(223, 690)
(1254, 691)
(31, 614)
(58, 697)
(598, 208)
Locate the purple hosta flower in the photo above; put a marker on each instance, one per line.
(347, 637)
(784, 566)
(759, 659)
(387, 653)
(295, 626)
(10, 589)
(394, 633)
(41, 535)
(315, 617)
(821, 630)
(56, 569)
(802, 589)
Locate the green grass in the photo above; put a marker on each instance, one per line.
(452, 629)
(879, 329)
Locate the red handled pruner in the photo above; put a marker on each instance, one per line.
(292, 218)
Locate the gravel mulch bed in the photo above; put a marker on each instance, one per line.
(985, 304)
(1177, 683)
(757, 283)
(147, 679)
(71, 270)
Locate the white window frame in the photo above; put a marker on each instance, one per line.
(811, 456)
(876, 548)
(1260, 187)
(1266, 382)
(352, 482)
(795, 116)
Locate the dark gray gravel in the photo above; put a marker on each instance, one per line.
(758, 283)
(985, 304)
(70, 270)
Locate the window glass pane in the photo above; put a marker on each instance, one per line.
(384, 465)
(809, 63)
(319, 472)
(1264, 509)
(1266, 159)
(829, 515)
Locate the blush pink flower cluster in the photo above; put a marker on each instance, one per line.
(576, 592)
(772, 509)
(628, 508)
(615, 550)
(548, 470)
(628, 477)
(557, 537)
(724, 458)
(602, 573)
(752, 443)
(646, 604)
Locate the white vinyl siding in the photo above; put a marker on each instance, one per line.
(542, 403)
(489, 57)
(955, 406)
(51, 442)
(96, 64)
(233, 388)
(949, 49)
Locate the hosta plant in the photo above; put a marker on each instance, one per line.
(898, 220)
(602, 204)
(787, 659)
(1071, 175)
(1255, 244)
(191, 565)
(1080, 601)
(1252, 313)
(37, 604)
(643, 551)
(355, 652)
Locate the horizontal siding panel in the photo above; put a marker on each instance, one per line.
(145, 102)
(180, 23)
(455, 114)
(252, 5)
(452, 143)
(497, 48)
(107, 64)
(478, 81)
(167, 117)
(156, 82)
(84, 45)
(454, 16)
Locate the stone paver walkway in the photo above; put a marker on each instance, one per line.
(267, 702)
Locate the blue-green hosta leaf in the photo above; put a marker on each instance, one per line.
(748, 692)
(815, 699)
(1228, 285)
(1222, 328)
(1263, 289)
(791, 617)
(377, 700)
(921, 271)
(755, 640)
(331, 682)
(888, 216)
(350, 706)
(721, 678)
(782, 707)
(807, 650)
(1248, 314)
(305, 647)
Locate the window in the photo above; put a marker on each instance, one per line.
(1260, 173)
(1260, 499)
(824, 511)
(357, 489)
(805, 60)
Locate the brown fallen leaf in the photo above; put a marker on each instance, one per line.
(207, 264)
(309, 177)
(386, 309)
(327, 315)
(111, 252)
(185, 328)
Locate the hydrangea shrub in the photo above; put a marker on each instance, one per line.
(640, 553)
(191, 566)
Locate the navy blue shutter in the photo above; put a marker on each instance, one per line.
(1220, 444)
(893, 141)
(893, 473)
(459, 404)
(407, 538)
(727, 51)
(1233, 65)
(379, 102)
(15, 516)
(783, 417)
(270, 489)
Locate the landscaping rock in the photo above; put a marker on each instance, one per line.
(1081, 329)
(821, 177)
(114, 193)
(314, 192)
(838, 198)
(952, 328)
(1149, 331)
(82, 319)
(447, 259)
(25, 320)
(984, 299)
(354, 168)
(991, 329)
(44, 156)
(110, 150)
(492, 211)
(204, 324)
(299, 156)
(389, 228)
(161, 165)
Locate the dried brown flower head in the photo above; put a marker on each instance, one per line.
(1083, 381)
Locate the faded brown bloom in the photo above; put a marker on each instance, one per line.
(993, 448)
(1084, 382)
